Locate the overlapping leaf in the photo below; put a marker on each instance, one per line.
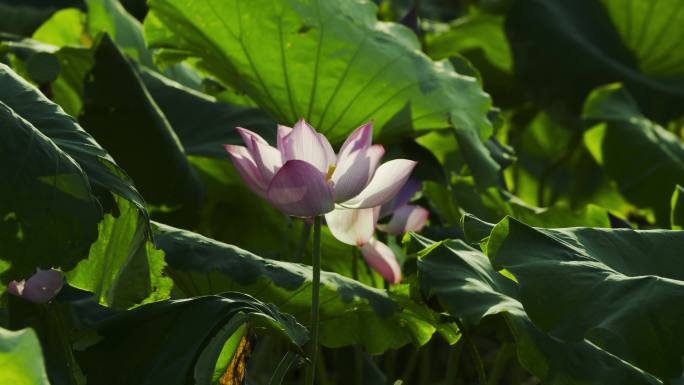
(618, 288)
(351, 313)
(134, 347)
(468, 287)
(121, 115)
(645, 160)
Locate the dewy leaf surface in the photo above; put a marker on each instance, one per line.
(644, 159)
(468, 287)
(619, 288)
(328, 61)
(351, 313)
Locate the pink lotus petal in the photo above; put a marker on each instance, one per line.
(283, 132)
(381, 258)
(352, 226)
(330, 157)
(247, 168)
(248, 137)
(359, 139)
(353, 172)
(403, 197)
(299, 189)
(406, 218)
(389, 178)
(268, 159)
(40, 288)
(304, 143)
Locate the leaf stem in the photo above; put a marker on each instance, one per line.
(453, 361)
(282, 368)
(474, 353)
(64, 342)
(315, 289)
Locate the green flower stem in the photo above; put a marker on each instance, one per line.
(303, 240)
(315, 289)
(358, 353)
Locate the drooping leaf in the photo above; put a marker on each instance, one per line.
(104, 175)
(351, 313)
(119, 112)
(564, 49)
(618, 288)
(48, 212)
(21, 358)
(468, 287)
(644, 159)
(330, 62)
(134, 346)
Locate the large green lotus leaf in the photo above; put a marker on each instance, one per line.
(564, 49)
(48, 213)
(677, 212)
(123, 267)
(21, 358)
(644, 159)
(468, 287)
(652, 31)
(211, 124)
(120, 113)
(618, 288)
(48, 118)
(330, 62)
(171, 342)
(351, 313)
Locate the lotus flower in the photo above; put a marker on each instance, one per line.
(303, 177)
(40, 288)
(405, 217)
(357, 226)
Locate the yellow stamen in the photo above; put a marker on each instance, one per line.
(331, 170)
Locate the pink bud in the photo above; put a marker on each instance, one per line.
(40, 288)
